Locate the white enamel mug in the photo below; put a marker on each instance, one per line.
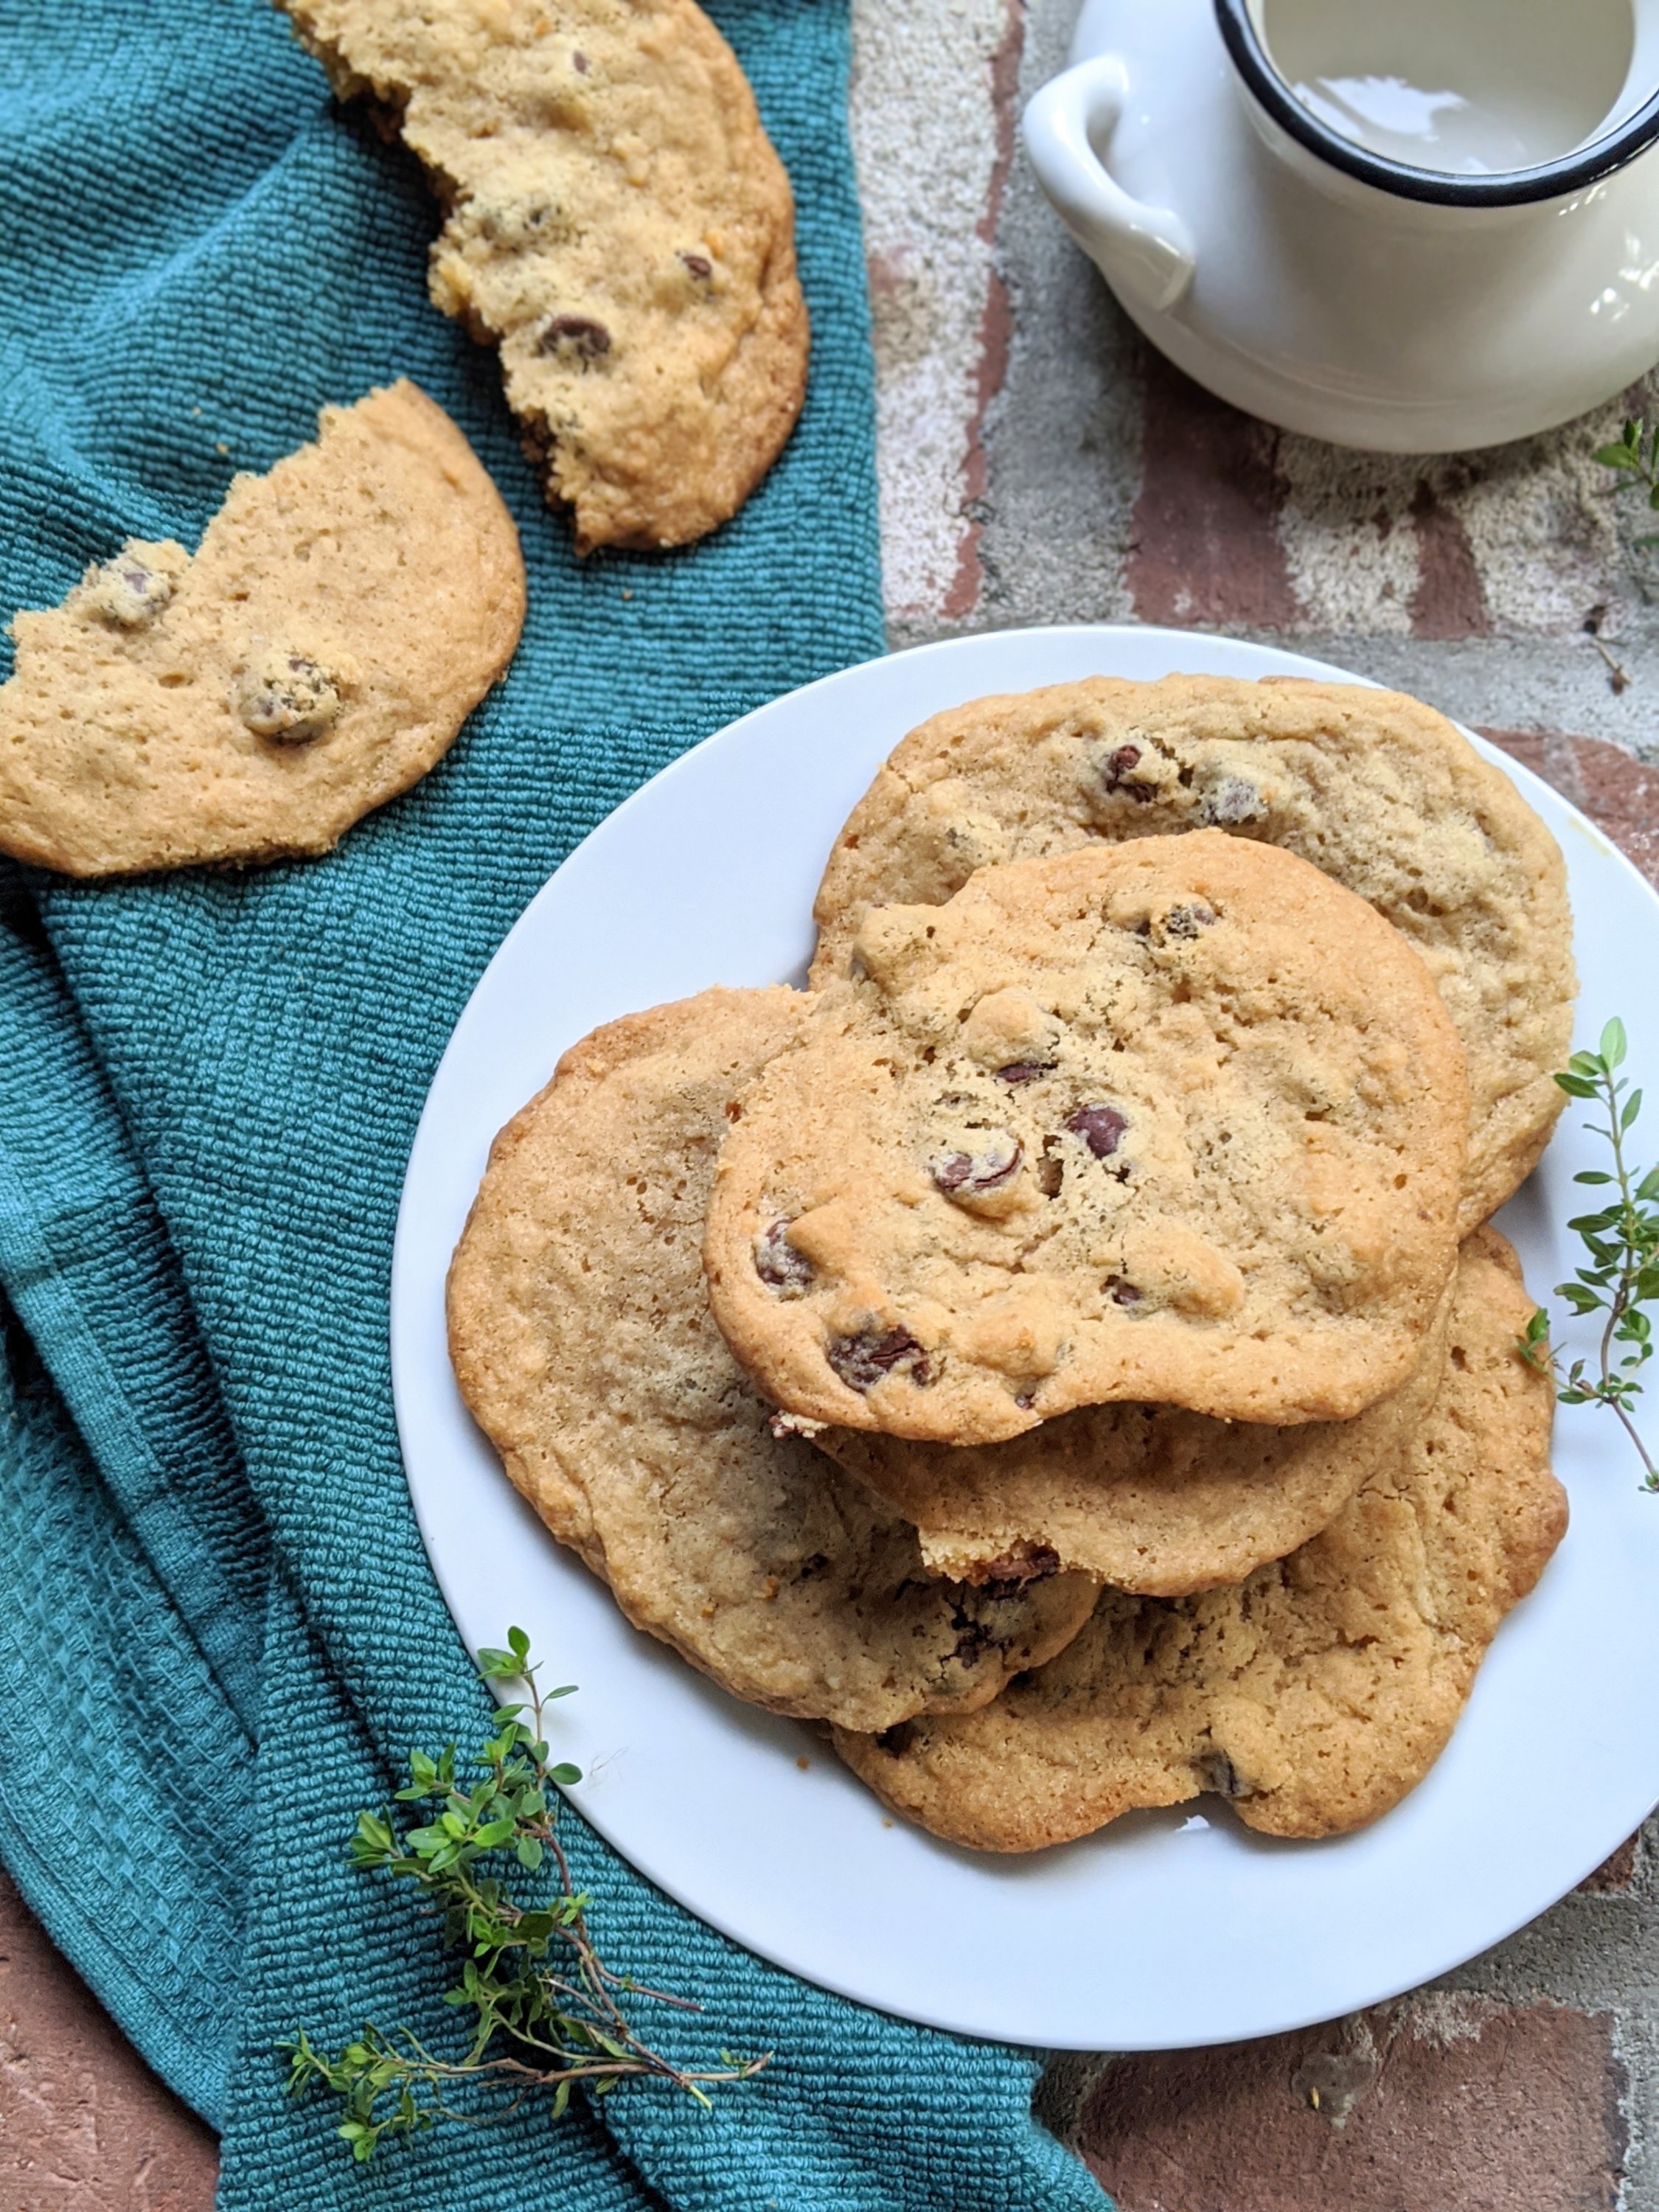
(1416, 225)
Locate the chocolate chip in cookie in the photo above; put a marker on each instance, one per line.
(1117, 775)
(1101, 1127)
(573, 338)
(985, 1165)
(870, 1355)
(780, 1265)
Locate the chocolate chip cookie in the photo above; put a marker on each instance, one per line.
(1146, 1498)
(616, 222)
(316, 656)
(1316, 1694)
(1179, 1120)
(584, 1345)
(1376, 789)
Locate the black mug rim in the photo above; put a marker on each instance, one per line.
(1549, 180)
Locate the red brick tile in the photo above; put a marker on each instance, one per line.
(1621, 796)
(1204, 546)
(1435, 2105)
(997, 329)
(1545, 753)
(1615, 1872)
(1448, 601)
(995, 336)
(84, 2126)
(1619, 793)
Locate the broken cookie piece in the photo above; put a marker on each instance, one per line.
(616, 222)
(314, 657)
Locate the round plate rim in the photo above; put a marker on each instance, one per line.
(412, 1288)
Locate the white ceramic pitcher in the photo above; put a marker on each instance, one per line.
(1416, 225)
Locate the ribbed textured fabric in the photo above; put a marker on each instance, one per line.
(219, 1635)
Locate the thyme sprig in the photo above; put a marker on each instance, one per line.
(1622, 1243)
(1635, 454)
(547, 2012)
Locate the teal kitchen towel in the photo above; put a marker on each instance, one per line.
(219, 1635)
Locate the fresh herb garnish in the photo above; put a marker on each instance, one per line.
(1622, 1242)
(547, 2014)
(1635, 455)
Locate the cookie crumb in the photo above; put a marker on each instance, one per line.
(287, 698)
(796, 1424)
(134, 587)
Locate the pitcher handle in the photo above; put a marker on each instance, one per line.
(1147, 253)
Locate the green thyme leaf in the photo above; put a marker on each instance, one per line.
(547, 2011)
(1634, 459)
(1621, 1238)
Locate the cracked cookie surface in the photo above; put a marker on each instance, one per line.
(1376, 789)
(317, 655)
(1318, 1692)
(584, 1347)
(617, 223)
(1180, 1121)
(1146, 1498)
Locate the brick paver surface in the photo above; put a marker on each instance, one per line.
(84, 2127)
(1038, 464)
(1443, 2105)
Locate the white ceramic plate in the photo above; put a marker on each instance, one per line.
(1166, 1929)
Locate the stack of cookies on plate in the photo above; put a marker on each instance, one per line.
(1060, 1350)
